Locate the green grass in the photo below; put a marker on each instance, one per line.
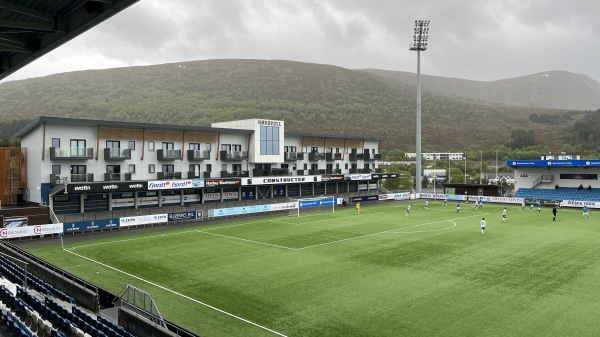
(380, 273)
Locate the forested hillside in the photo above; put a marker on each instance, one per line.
(309, 97)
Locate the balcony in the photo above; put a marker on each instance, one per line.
(116, 154)
(168, 175)
(364, 170)
(291, 156)
(56, 179)
(234, 174)
(168, 155)
(377, 156)
(367, 156)
(299, 172)
(198, 155)
(313, 156)
(378, 170)
(333, 156)
(117, 176)
(353, 171)
(357, 156)
(315, 172)
(71, 153)
(333, 171)
(82, 178)
(270, 172)
(233, 155)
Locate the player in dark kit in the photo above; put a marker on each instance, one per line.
(554, 211)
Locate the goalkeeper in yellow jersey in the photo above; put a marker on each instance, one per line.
(358, 208)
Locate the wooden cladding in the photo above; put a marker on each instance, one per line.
(118, 133)
(332, 142)
(156, 135)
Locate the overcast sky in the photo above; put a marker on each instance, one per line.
(472, 39)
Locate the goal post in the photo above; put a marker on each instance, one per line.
(324, 204)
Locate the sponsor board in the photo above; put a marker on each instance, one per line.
(90, 225)
(142, 220)
(365, 198)
(433, 196)
(575, 203)
(280, 180)
(377, 176)
(555, 163)
(315, 203)
(106, 187)
(362, 187)
(170, 184)
(394, 196)
(38, 230)
(179, 216)
(221, 182)
(373, 186)
(212, 196)
(238, 210)
(336, 177)
(358, 176)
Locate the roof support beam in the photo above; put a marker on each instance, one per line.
(27, 26)
(26, 10)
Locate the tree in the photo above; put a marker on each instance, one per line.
(522, 138)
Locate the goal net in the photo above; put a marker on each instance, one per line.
(325, 204)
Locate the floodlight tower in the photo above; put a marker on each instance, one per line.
(419, 44)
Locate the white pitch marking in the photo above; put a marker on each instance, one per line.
(236, 238)
(178, 294)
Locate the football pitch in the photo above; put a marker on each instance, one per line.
(380, 273)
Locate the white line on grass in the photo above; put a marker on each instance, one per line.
(177, 293)
(395, 230)
(329, 219)
(236, 238)
(125, 240)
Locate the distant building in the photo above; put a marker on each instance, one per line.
(438, 155)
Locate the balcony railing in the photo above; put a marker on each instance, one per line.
(333, 156)
(291, 156)
(197, 155)
(333, 171)
(233, 155)
(364, 170)
(234, 174)
(164, 155)
(271, 172)
(116, 154)
(168, 175)
(316, 172)
(72, 153)
(117, 176)
(82, 178)
(377, 156)
(312, 156)
(56, 179)
(300, 172)
(356, 156)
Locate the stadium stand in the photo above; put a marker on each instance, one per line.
(562, 193)
(43, 311)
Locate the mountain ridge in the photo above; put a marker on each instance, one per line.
(310, 97)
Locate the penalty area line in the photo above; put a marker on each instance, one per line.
(246, 240)
(178, 294)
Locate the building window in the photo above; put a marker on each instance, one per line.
(168, 146)
(237, 147)
(224, 167)
(314, 149)
(131, 168)
(131, 144)
(168, 168)
(208, 167)
(151, 146)
(151, 168)
(55, 142)
(194, 146)
(113, 144)
(269, 140)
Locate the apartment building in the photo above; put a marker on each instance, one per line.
(94, 165)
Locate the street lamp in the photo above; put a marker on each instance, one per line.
(419, 44)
